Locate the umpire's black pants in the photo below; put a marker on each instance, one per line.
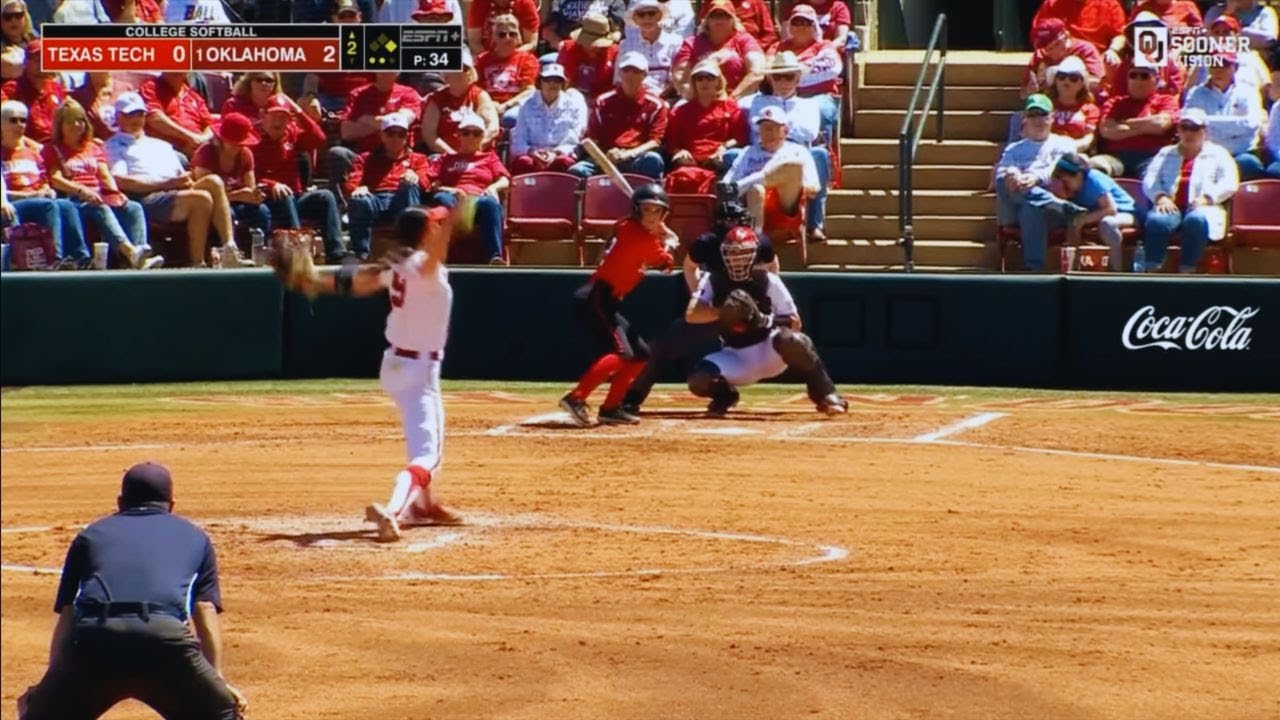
(682, 339)
(156, 661)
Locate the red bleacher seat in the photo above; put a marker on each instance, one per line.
(604, 204)
(1255, 215)
(691, 216)
(543, 206)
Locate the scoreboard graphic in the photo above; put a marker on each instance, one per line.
(244, 48)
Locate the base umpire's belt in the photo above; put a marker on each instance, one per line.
(144, 610)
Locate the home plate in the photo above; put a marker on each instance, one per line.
(724, 431)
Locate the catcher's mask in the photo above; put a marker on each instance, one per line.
(739, 252)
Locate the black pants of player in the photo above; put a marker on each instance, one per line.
(598, 313)
(154, 660)
(682, 339)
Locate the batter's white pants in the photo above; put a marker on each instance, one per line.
(415, 387)
(751, 364)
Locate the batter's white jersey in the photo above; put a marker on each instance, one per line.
(420, 305)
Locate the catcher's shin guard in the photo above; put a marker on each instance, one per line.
(797, 351)
(706, 381)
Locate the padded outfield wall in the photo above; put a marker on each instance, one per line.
(1167, 333)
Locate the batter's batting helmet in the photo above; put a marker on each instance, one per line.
(739, 252)
(651, 194)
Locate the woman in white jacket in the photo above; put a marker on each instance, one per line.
(1187, 184)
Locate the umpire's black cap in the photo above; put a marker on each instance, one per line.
(146, 482)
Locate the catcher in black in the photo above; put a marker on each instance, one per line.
(758, 321)
(130, 584)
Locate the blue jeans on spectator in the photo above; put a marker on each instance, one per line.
(1160, 227)
(488, 220)
(1250, 166)
(340, 160)
(115, 225)
(650, 164)
(815, 212)
(369, 210)
(1030, 211)
(320, 209)
(63, 221)
(254, 215)
(829, 110)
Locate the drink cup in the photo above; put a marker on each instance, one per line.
(100, 256)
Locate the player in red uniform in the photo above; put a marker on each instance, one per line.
(639, 241)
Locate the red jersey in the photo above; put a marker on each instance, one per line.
(1182, 196)
(633, 249)
(244, 105)
(233, 177)
(80, 166)
(702, 130)
(504, 78)
(469, 172)
(1097, 22)
(1125, 108)
(1169, 80)
(369, 101)
(822, 65)
(24, 167)
(732, 55)
(184, 106)
(381, 173)
(1088, 54)
(41, 104)
(756, 17)
(617, 121)
(831, 15)
(1075, 121)
(147, 11)
(276, 161)
(591, 72)
(449, 104)
(341, 84)
(1178, 13)
(482, 11)
(101, 109)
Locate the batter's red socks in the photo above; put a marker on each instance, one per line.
(621, 382)
(599, 372)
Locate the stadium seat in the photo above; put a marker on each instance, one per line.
(1255, 215)
(1091, 243)
(603, 205)
(543, 206)
(691, 216)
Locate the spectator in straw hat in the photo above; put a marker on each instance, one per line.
(645, 35)
(567, 16)
(628, 123)
(588, 57)
(701, 132)
(549, 126)
(721, 38)
(821, 62)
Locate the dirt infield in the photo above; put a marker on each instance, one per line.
(934, 554)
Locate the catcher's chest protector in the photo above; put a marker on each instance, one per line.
(757, 286)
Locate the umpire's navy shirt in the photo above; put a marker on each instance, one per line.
(143, 554)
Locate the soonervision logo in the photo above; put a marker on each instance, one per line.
(1217, 327)
(1194, 46)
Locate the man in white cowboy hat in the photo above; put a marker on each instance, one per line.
(804, 119)
(774, 175)
(646, 36)
(628, 123)
(549, 126)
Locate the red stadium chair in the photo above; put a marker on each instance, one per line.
(603, 205)
(1255, 215)
(1092, 245)
(544, 206)
(691, 216)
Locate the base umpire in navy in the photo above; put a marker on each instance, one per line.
(130, 584)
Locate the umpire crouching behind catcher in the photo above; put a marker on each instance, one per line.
(128, 588)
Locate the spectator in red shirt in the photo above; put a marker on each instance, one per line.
(1174, 13)
(507, 72)
(176, 113)
(251, 93)
(28, 196)
(134, 11)
(385, 181)
(720, 37)
(361, 118)
(756, 17)
(589, 56)
(1054, 43)
(332, 89)
(1075, 114)
(16, 30)
(443, 108)
(1135, 126)
(78, 168)
(229, 155)
(1170, 80)
(821, 63)
(39, 91)
(480, 22)
(628, 123)
(476, 176)
(287, 134)
(701, 130)
(834, 18)
(1098, 22)
(98, 96)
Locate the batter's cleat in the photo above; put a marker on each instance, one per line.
(578, 411)
(631, 408)
(388, 528)
(833, 404)
(720, 407)
(617, 416)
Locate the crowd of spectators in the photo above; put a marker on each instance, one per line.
(1190, 129)
(668, 92)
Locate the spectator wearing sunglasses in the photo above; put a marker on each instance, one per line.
(1188, 184)
(646, 36)
(834, 20)
(821, 63)
(39, 91)
(507, 72)
(332, 89)
(702, 131)
(1257, 22)
(385, 181)
(360, 123)
(476, 174)
(1075, 114)
(1251, 69)
(1023, 175)
(17, 31)
(1135, 126)
(721, 38)
(628, 123)
(1234, 114)
(251, 94)
(756, 17)
(1054, 44)
(480, 26)
(1170, 78)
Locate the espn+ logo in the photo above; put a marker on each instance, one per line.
(1153, 47)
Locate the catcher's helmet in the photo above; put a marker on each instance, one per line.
(649, 194)
(739, 252)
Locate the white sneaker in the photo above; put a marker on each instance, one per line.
(231, 257)
(388, 529)
(135, 254)
(151, 260)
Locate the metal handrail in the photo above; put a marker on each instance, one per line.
(909, 135)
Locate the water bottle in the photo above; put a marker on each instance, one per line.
(259, 246)
(1140, 259)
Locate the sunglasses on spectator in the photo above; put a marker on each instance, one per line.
(470, 131)
(801, 21)
(704, 76)
(647, 13)
(1189, 126)
(1070, 77)
(17, 120)
(396, 133)
(1036, 114)
(14, 16)
(1139, 75)
(789, 77)
(265, 80)
(507, 34)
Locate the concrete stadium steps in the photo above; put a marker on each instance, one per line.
(937, 227)
(923, 202)
(964, 68)
(887, 253)
(978, 97)
(992, 125)
(884, 151)
(964, 178)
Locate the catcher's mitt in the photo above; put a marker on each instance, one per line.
(290, 256)
(739, 313)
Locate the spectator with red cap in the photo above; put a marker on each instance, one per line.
(550, 125)
(721, 37)
(98, 96)
(176, 112)
(756, 18)
(1054, 43)
(476, 174)
(480, 22)
(287, 133)
(441, 111)
(17, 31)
(251, 94)
(659, 46)
(1135, 126)
(628, 123)
(507, 72)
(360, 120)
(821, 63)
(1257, 22)
(1251, 69)
(1234, 114)
(834, 20)
(39, 91)
(1098, 22)
(229, 155)
(385, 181)
(588, 56)
(701, 131)
(1174, 13)
(332, 89)
(1170, 78)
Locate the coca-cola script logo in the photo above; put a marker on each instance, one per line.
(1217, 327)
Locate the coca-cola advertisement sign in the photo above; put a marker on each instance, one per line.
(1217, 327)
